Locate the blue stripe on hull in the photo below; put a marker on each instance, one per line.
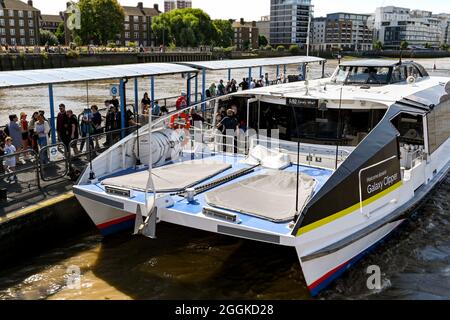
(122, 226)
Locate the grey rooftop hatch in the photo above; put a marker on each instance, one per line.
(251, 63)
(9, 79)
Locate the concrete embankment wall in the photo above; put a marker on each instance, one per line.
(10, 62)
(34, 228)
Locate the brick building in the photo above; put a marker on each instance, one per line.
(51, 22)
(170, 5)
(19, 23)
(246, 34)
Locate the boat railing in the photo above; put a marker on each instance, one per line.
(312, 155)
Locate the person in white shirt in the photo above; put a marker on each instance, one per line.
(10, 162)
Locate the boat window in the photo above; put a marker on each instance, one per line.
(362, 75)
(318, 126)
(399, 74)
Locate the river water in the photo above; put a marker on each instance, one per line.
(183, 263)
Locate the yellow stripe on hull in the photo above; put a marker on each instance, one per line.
(347, 211)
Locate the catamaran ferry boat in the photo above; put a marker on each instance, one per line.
(331, 167)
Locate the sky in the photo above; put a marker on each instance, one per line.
(254, 9)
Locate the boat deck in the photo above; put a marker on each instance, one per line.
(183, 206)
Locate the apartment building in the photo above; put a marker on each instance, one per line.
(289, 20)
(170, 5)
(51, 22)
(348, 31)
(264, 27)
(137, 25)
(246, 34)
(19, 23)
(319, 26)
(419, 28)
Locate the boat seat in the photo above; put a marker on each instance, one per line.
(171, 178)
(270, 195)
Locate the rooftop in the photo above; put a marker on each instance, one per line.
(17, 5)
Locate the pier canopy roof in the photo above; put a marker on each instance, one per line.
(9, 79)
(251, 63)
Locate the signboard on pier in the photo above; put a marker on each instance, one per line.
(114, 91)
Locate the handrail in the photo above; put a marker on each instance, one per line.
(22, 168)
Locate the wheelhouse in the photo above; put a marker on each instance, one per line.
(377, 72)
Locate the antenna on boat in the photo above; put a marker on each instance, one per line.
(338, 129)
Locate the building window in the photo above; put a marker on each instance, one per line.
(30, 23)
(32, 41)
(136, 35)
(21, 23)
(20, 14)
(127, 35)
(127, 18)
(12, 32)
(11, 22)
(30, 14)
(3, 41)
(11, 13)
(13, 41)
(22, 41)
(2, 22)
(2, 31)
(136, 27)
(2, 13)
(127, 26)
(136, 19)
(31, 32)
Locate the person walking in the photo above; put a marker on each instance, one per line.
(221, 88)
(229, 125)
(97, 124)
(42, 129)
(10, 161)
(25, 133)
(62, 126)
(15, 133)
(32, 133)
(73, 131)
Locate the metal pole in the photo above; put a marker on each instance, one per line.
(260, 72)
(278, 71)
(152, 91)
(52, 113)
(188, 88)
(203, 89)
(249, 77)
(196, 88)
(229, 74)
(136, 95)
(122, 107)
(323, 69)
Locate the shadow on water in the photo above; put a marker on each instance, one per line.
(184, 263)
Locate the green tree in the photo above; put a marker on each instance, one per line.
(47, 37)
(262, 41)
(60, 33)
(404, 45)
(224, 33)
(101, 20)
(378, 45)
(294, 49)
(184, 28)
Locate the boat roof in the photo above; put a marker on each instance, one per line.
(322, 89)
(372, 63)
(10, 79)
(251, 63)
